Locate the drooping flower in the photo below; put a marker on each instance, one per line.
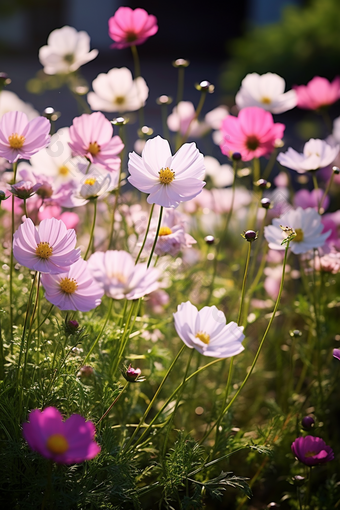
(168, 179)
(10, 102)
(183, 116)
(312, 450)
(117, 91)
(25, 189)
(48, 249)
(131, 27)
(117, 274)
(307, 225)
(74, 290)
(317, 93)
(91, 137)
(65, 442)
(21, 138)
(253, 133)
(66, 50)
(267, 92)
(206, 331)
(316, 154)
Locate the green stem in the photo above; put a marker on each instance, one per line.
(154, 398)
(25, 208)
(11, 264)
(164, 111)
(92, 228)
(329, 184)
(244, 284)
(256, 169)
(113, 403)
(117, 193)
(29, 302)
(309, 487)
(146, 234)
(195, 117)
(44, 319)
(100, 334)
(156, 236)
(124, 339)
(180, 84)
(270, 164)
(137, 75)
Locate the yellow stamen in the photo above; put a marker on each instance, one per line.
(68, 285)
(204, 337)
(120, 100)
(299, 235)
(44, 250)
(118, 276)
(93, 148)
(310, 454)
(57, 443)
(164, 231)
(266, 100)
(16, 141)
(166, 175)
(90, 181)
(63, 170)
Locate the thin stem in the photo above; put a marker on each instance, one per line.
(256, 169)
(180, 84)
(244, 284)
(195, 117)
(329, 184)
(29, 302)
(124, 338)
(270, 164)
(92, 228)
(113, 403)
(25, 208)
(44, 319)
(309, 487)
(137, 74)
(11, 264)
(117, 193)
(156, 236)
(154, 398)
(164, 111)
(100, 334)
(146, 234)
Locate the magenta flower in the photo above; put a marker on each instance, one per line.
(312, 450)
(336, 354)
(117, 274)
(74, 290)
(252, 134)
(48, 249)
(317, 93)
(65, 442)
(91, 137)
(21, 138)
(130, 27)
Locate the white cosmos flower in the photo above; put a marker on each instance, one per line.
(10, 102)
(66, 50)
(316, 154)
(206, 331)
(267, 92)
(117, 91)
(182, 117)
(168, 179)
(97, 183)
(221, 175)
(307, 225)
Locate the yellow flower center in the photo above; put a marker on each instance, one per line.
(90, 181)
(93, 148)
(57, 443)
(44, 250)
(266, 100)
(68, 285)
(120, 100)
(299, 235)
(204, 337)
(16, 141)
(63, 170)
(310, 454)
(118, 276)
(164, 231)
(166, 175)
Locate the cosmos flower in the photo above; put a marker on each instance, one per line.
(66, 51)
(48, 249)
(267, 92)
(317, 93)
(131, 27)
(312, 450)
(74, 290)
(24, 189)
(307, 225)
(117, 274)
(182, 117)
(221, 175)
(253, 133)
(168, 179)
(10, 102)
(21, 138)
(65, 442)
(316, 154)
(91, 137)
(97, 183)
(206, 331)
(117, 91)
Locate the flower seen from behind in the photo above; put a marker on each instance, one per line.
(48, 249)
(65, 442)
(267, 92)
(312, 450)
(168, 179)
(74, 290)
(206, 331)
(316, 154)
(117, 91)
(21, 138)
(317, 93)
(253, 133)
(66, 50)
(131, 27)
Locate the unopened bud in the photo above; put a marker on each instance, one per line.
(295, 333)
(119, 121)
(250, 235)
(181, 62)
(4, 80)
(209, 239)
(71, 327)
(164, 100)
(145, 131)
(51, 114)
(262, 183)
(336, 170)
(273, 505)
(85, 372)
(205, 86)
(298, 480)
(236, 156)
(132, 374)
(2, 196)
(266, 203)
(308, 422)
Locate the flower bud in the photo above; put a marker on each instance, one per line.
(236, 156)
(336, 170)
(2, 196)
(209, 239)
(250, 235)
(119, 121)
(71, 327)
(295, 333)
(85, 372)
(51, 114)
(273, 505)
(266, 203)
(308, 422)
(164, 100)
(298, 480)
(262, 183)
(181, 62)
(145, 131)
(205, 86)
(4, 80)
(132, 374)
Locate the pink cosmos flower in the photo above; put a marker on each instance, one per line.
(312, 450)
(74, 290)
(24, 189)
(21, 138)
(252, 134)
(91, 137)
(317, 93)
(48, 249)
(130, 27)
(117, 274)
(183, 116)
(304, 198)
(65, 442)
(168, 179)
